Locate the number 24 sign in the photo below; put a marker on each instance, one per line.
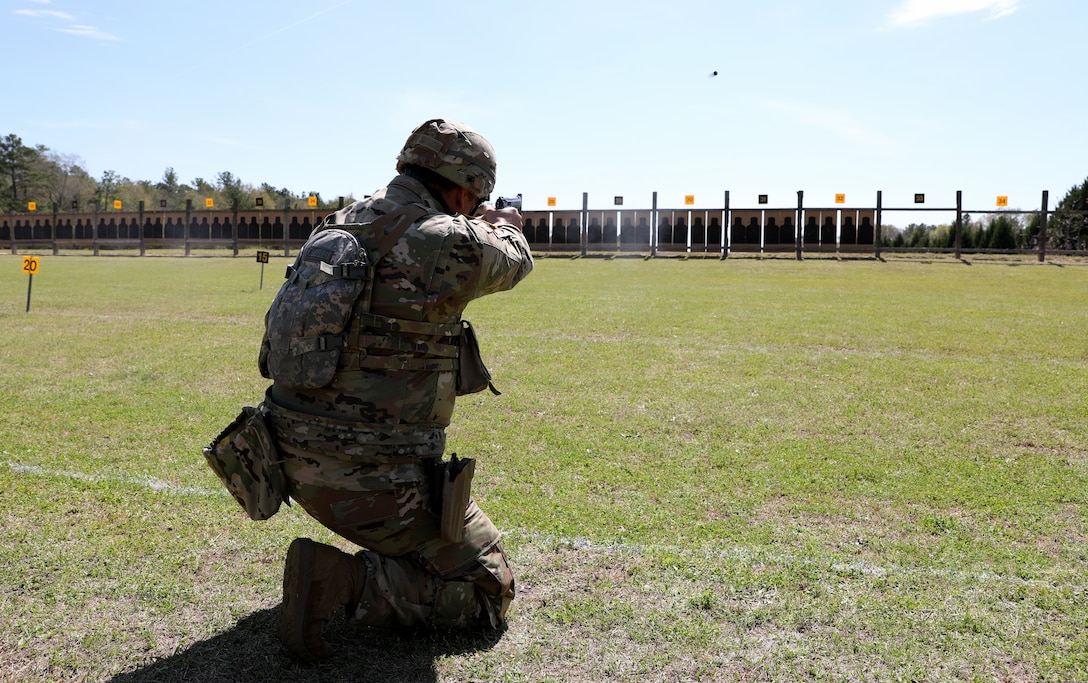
(30, 265)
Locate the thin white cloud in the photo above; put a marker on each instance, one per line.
(913, 12)
(87, 32)
(218, 58)
(64, 22)
(834, 121)
(44, 13)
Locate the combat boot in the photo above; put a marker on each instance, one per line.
(317, 580)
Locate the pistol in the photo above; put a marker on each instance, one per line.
(503, 202)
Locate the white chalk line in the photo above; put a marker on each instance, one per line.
(142, 481)
(1055, 578)
(580, 543)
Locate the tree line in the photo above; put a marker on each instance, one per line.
(39, 174)
(998, 231)
(46, 177)
(1067, 229)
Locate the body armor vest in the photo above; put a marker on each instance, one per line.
(320, 320)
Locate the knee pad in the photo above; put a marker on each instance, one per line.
(458, 605)
(481, 598)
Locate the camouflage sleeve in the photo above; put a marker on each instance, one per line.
(505, 256)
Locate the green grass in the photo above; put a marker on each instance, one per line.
(705, 470)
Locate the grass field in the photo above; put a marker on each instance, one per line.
(705, 470)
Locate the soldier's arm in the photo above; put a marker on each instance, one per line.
(504, 251)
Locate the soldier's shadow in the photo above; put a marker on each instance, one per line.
(251, 652)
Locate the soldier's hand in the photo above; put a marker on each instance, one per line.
(505, 216)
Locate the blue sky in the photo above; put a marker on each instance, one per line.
(609, 98)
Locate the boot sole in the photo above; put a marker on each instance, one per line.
(297, 578)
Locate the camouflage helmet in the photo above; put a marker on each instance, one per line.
(454, 151)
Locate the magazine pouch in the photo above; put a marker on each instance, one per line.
(245, 458)
(472, 374)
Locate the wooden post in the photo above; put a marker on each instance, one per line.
(140, 227)
(583, 233)
(653, 227)
(286, 227)
(94, 229)
(725, 227)
(959, 222)
(1042, 227)
(53, 235)
(234, 226)
(188, 219)
(878, 230)
(800, 226)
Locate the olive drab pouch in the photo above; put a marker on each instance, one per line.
(305, 324)
(245, 458)
(452, 491)
(472, 374)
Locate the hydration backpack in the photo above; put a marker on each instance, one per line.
(332, 274)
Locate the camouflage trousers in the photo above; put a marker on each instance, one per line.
(373, 487)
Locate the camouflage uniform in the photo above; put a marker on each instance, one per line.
(358, 452)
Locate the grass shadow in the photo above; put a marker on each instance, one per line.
(251, 652)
